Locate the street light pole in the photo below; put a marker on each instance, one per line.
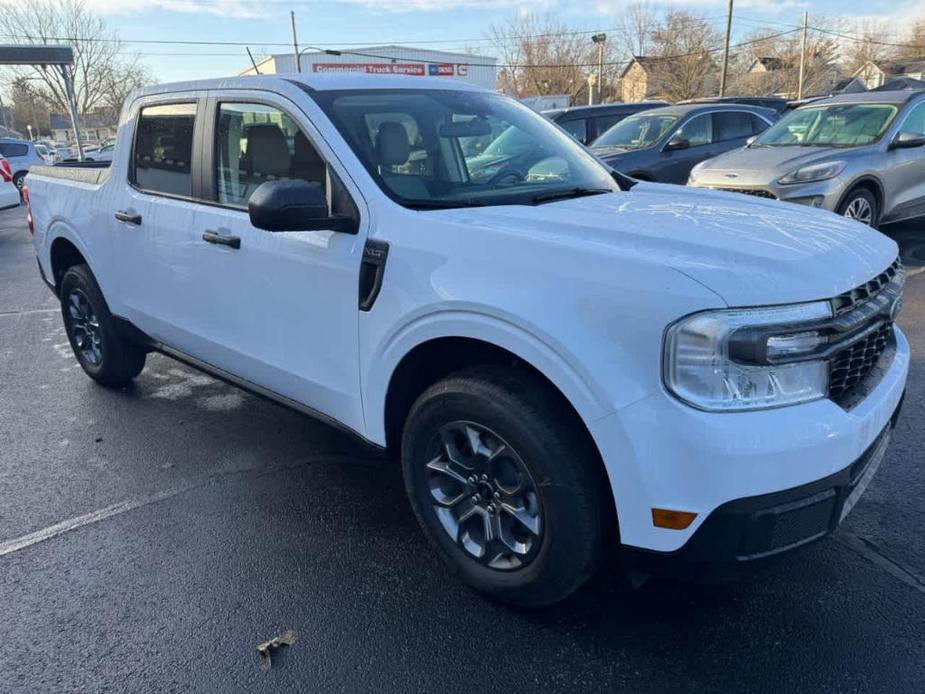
(600, 40)
(722, 76)
(803, 57)
(295, 45)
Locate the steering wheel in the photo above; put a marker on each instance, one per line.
(507, 176)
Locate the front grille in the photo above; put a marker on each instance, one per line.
(848, 300)
(866, 311)
(749, 191)
(853, 364)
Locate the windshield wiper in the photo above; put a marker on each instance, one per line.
(578, 192)
(415, 204)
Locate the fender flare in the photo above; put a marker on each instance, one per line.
(541, 352)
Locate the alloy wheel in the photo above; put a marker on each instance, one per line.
(861, 210)
(484, 496)
(85, 327)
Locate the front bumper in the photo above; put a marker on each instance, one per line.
(744, 531)
(660, 453)
(825, 195)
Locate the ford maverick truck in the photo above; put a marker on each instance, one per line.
(567, 361)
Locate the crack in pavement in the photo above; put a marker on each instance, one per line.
(65, 526)
(873, 554)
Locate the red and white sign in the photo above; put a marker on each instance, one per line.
(414, 69)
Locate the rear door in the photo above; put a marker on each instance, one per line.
(903, 170)
(277, 309)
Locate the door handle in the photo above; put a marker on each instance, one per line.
(221, 239)
(128, 217)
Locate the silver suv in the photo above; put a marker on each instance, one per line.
(22, 155)
(860, 155)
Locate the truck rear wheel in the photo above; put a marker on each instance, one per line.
(506, 485)
(104, 354)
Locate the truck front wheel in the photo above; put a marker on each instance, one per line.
(104, 354)
(506, 485)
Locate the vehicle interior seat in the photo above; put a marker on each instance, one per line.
(267, 153)
(393, 150)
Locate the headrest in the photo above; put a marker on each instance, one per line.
(392, 146)
(267, 150)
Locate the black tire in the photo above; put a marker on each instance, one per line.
(574, 496)
(859, 197)
(108, 357)
(19, 180)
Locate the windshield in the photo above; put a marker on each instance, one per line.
(837, 125)
(636, 132)
(446, 148)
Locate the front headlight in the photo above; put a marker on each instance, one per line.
(816, 172)
(707, 363)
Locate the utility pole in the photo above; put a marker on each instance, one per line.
(295, 44)
(600, 40)
(722, 75)
(803, 57)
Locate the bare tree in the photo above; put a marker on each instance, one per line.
(770, 64)
(100, 71)
(540, 55)
(913, 45)
(636, 28)
(681, 55)
(869, 49)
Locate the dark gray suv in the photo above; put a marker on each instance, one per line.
(663, 145)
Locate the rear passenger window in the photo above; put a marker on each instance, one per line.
(577, 129)
(163, 149)
(13, 149)
(255, 143)
(732, 125)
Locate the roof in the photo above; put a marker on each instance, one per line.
(313, 81)
(600, 109)
(769, 63)
(89, 120)
(641, 60)
(887, 97)
(682, 110)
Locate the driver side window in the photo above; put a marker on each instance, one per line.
(915, 121)
(697, 131)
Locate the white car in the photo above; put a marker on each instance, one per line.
(565, 364)
(101, 153)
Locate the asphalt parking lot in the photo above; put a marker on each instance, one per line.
(151, 538)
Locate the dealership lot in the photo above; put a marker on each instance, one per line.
(151, 538)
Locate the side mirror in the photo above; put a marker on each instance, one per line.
(294, 205)
(750, 141)
(677, 143)
(908, 141)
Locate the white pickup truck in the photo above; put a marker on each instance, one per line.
(565, 359)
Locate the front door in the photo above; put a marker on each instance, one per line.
(675, 165)
(277, 309)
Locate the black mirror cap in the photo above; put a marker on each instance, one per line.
(908, 141)
(291, 204)
(680, 143)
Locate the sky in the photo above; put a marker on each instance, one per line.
(437, 24)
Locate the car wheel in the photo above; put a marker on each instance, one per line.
(511, 492)
(104, 354)
(19, 180)
(861, 205)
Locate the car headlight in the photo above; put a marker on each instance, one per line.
(747, 359)
(816, 172)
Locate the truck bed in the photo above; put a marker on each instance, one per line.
(92, 172)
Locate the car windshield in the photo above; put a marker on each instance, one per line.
(836, 125)
(431, 149)
(636, 132)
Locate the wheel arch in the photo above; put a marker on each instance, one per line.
(870, 183)
(63, 255)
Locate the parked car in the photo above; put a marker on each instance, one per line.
(46, 156)
(9, 193)
(774, 103)
(22, 155)
(587, 123)
(860, 155)
(102, 153)
(665, 144)
(63, 153)
(562, 363)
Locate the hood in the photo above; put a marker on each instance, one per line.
(750, 252)
(763, 165)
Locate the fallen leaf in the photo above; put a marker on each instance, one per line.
(265, 649)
